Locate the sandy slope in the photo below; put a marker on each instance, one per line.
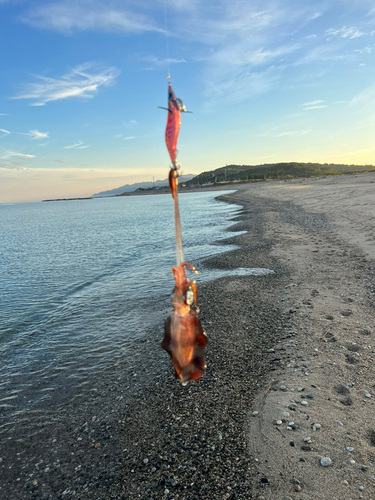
(330, 353)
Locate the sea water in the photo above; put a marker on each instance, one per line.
(80, 280)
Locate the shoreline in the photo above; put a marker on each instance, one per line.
(202, 441)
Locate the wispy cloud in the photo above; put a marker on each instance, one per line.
(155, 62)
(265, 157)
(312, 103)
(345, 32)
(39, 135)
(79, 15)
(293, 133)
(249, 45)
(61, 161)
(5, 132)
(130, 123)
(82, 81)
(365, 99)
(10, 154)
(315, 15)
(314, 107)
(287, 133)
(8, 166)
(129, 138)
(78, 145)
(35, 134)
(366, 50)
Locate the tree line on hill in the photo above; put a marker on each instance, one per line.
(290, 170)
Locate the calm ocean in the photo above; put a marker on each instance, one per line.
(80, 280)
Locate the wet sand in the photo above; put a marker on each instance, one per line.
(309, 326)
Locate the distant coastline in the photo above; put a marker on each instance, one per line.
(70, 199)
(213, 186)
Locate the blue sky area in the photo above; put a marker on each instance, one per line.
(267, 81)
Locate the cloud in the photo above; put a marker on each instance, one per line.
(365, 50)
(236, 72)
(312, 103)
(129, 138)
(314, 107)
(80, 15)
(265, 157)
(34, 134)
(61, 161)
(293, 133)
(345, 32)
(39, 135)
(322, 53)
(249, 45)
(365, 100)
(315, 16)
(159, 63)
(130, 123)
(5, 132)
(288, 133)
(82, 81)
(78, 145)
(11, 167)
(18, 155)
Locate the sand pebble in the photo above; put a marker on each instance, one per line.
(340, 424)
(316, 426)
(255, 413)
(326, 461)
(368, 395)
(350, 449)
(352, 462)
(304, 403)
(361, 488)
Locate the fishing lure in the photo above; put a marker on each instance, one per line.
(184, 337)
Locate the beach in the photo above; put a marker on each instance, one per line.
(290, 381)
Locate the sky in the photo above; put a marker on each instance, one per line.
(266, 80)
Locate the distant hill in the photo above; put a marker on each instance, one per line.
(290, 170)
(128, 188)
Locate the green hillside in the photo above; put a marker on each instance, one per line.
(231, 173)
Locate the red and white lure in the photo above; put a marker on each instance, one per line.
(184, 337)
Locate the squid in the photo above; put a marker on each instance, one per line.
(184, 337)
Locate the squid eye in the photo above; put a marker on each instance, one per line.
(189, 297)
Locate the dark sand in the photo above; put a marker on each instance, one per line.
(201, 441)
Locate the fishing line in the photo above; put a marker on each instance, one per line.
(166, 35)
